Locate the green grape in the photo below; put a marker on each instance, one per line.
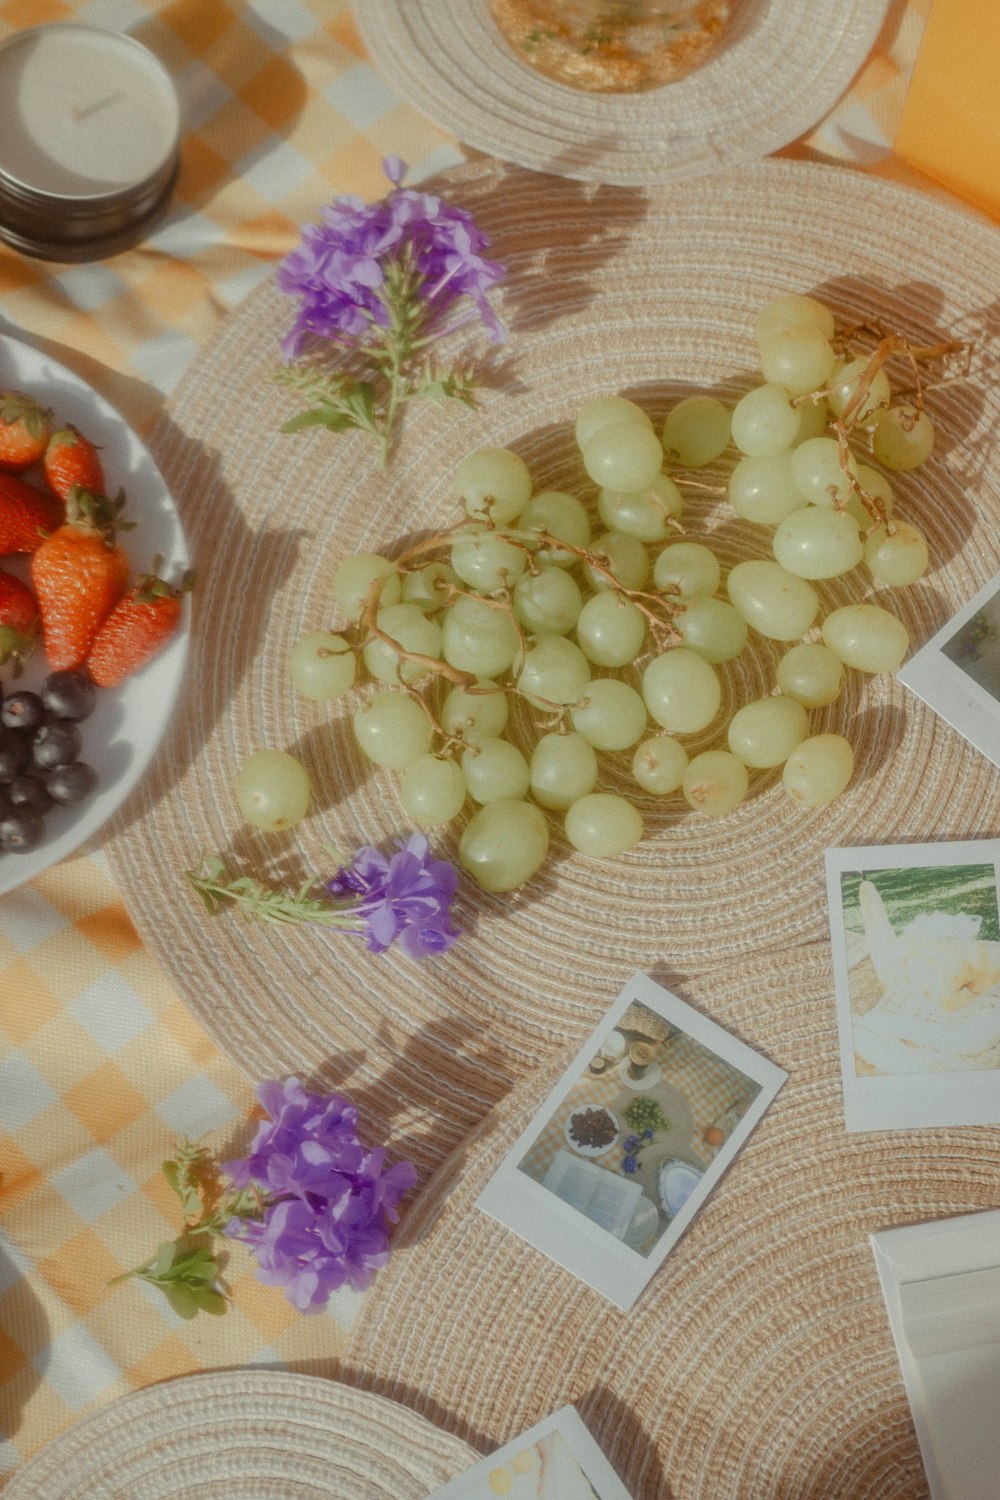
(392, 730)
(495, 770)
(764, 421)
(902, 437)
(485, 561)
(645, 513)
(610, 716)
(818, 473)
(273, 790)
(866, 637)
(475, 716)
(813, 417)
(477, 638)
(764, 489)
(407, 624)
(800, 359)
(715, 782)
(427, 587)
(818, 770)
(547, 602)
(493, 484)
(354, 578)
(713, 628)
(504, 844)
(432, 791)
(811, 674)
(624, 555)
(815, 542)
(681, 690)
(844, 385)
(563, 768)
(764, 732)
(687, 568)
(555, 670)
(623, 456)
(875, 484)
(775, 602)
(793, 311)
(603, 825)
(599, 411)
(899, 557)
(322, 666)
(610, 631)
(562, 516)
(659, 763)
(697, 431)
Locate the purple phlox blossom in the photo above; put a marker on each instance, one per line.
(328, 1198)
(631, 1143)
(630, 1164)
(339, 271)
(405, 897)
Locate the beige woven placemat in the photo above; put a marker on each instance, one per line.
(759, 1361)
(779, 69)
(610, 289)
(245, 1435)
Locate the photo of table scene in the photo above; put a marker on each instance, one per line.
(923, 951)
(542, 1470)
(975, 647)
(633, 1137)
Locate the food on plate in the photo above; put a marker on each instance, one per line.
(592, 1128)
(27, 515)
(79, 573)
(139, 625)
(24, 431)
(40, 766)
(18, 620)
(70, 459)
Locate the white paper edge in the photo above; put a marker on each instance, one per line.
(572, 1429)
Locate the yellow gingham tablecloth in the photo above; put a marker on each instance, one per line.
(102, 1068)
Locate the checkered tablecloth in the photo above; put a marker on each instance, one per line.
(102, 1068)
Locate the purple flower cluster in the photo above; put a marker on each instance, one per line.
(341, 269)
(328, 1198)
(405, 898)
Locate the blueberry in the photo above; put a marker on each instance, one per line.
(56, 745)
(15, 753)
(69, 784)
(69, 695)
(29, 793)
(20, 830)
(22, 710)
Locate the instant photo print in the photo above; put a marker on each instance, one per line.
(556, 1460)
(632, 1140)
(957, 673)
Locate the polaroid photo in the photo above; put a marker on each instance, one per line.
(957, 673)
(915, 932)
(556, 1460)
(631, 1141)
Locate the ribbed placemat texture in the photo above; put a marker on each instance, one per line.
(245, 1435)
(651, 294)
(778, 70)
(759, 1360)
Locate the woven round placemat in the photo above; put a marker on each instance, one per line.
(759, 1360)
(778, 69)
(245, 1435)
(652, 295)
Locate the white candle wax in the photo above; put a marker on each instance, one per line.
(83, 112)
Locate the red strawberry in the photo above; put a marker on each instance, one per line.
(27, 515)
(79, 572)
(18, 620)
(24, 431)
(140, 623)
(71, 459)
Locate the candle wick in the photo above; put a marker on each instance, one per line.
(81, 112)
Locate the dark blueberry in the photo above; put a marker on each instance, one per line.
(69, 695)
(69, 784)
(22, 710)
(56, 745)
(31, 793)
(15, 753)
(20, 830)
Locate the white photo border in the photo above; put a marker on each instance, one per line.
(917, 1100)
(567, 1236)
(570, 1426)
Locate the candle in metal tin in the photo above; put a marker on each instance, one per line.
(89, 125)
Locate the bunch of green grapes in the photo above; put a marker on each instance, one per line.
(606, 624)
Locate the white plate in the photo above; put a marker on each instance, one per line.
(592, 1150)
(121, 735)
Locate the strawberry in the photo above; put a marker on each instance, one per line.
(27, 515)
(140, 623)
(18, 620)
(71, 459)
(24, 431)
(79, 572)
